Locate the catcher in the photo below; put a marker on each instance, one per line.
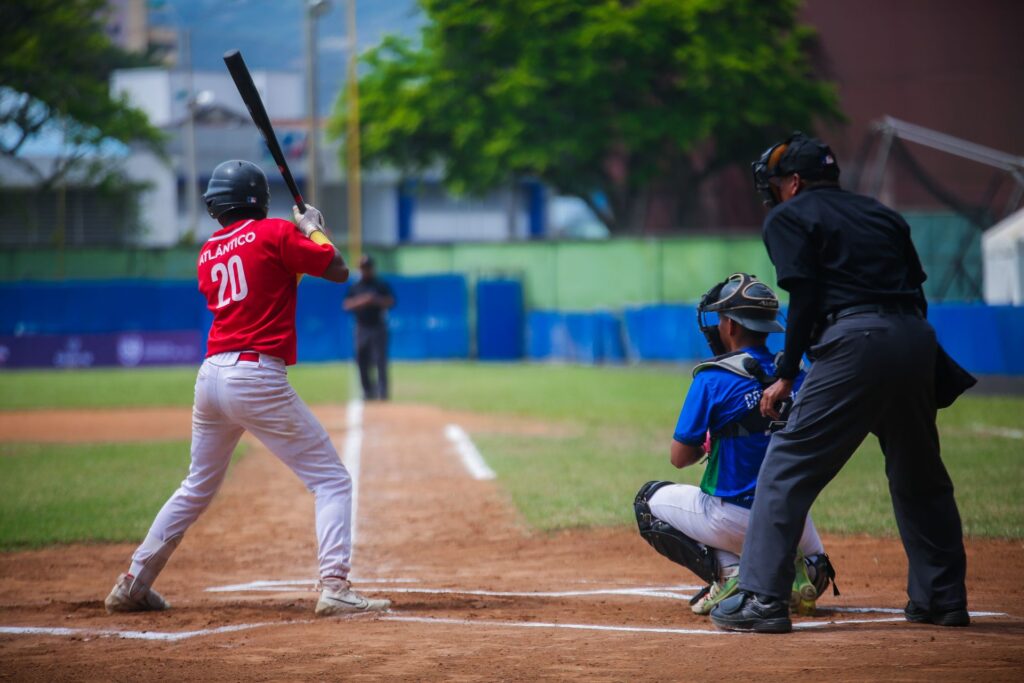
(702, 528)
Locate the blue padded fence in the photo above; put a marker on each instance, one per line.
(499, 319)
(144, 322)
(575, 337)
(987, 340)
(140, 322)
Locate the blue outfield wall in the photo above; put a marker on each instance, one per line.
(147, 322)
(987, 340)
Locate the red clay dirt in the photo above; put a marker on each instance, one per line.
(426, 534)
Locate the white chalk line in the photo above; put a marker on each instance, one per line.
(678, 592)
(548, 624)
(352, 457)
(668, 592)
(164, 636)
(799, 626)
(468, 453)
(297, 584)
(987, 430)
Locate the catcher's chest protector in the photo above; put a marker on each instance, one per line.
(752, 422)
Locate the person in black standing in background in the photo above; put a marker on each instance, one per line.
(856, 303)
(369, 300)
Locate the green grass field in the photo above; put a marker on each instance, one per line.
(617, 428)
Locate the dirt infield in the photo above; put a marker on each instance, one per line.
(476, 595)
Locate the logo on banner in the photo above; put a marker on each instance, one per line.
(130, 349)
(73, 355)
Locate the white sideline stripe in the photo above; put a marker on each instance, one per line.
(292, 583)
(129, 635)
(352, 457)
(543, 624)
(997, 431)
(531, 594)
(670, 592)
(801, 626)
(471, 458)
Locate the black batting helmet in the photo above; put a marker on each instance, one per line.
(237, 184)
(743, 298)
(810, 157)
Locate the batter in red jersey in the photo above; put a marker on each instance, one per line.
(248, 273)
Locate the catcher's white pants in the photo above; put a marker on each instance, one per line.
(716, 524)
(233, 396)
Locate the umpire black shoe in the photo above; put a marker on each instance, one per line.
(748, 612)
(950, 617)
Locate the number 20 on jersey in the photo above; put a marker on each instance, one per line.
(231, 277)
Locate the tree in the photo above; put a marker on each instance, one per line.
(618, 102)
(54, 75)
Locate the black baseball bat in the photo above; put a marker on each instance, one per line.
(247, 89)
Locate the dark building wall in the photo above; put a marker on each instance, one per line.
(950, 65)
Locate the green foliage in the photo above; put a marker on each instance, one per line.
(54, 71)
(630, 99)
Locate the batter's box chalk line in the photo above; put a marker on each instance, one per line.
(163, 636)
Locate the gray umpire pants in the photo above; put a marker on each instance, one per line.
(372, 359)
(871, 373)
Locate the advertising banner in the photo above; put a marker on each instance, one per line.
(119, 349)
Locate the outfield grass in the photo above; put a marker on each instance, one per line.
(619, 428)
(65, 493)
(118, 388)
(624, 419)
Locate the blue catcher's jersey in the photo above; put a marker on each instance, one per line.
(717, 398)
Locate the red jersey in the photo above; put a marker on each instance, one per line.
(247, 272)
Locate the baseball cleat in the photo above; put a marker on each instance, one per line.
(803, 599)
(727, 585)
(128, 595)
(337, 597)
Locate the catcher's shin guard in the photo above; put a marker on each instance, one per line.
(669, 541)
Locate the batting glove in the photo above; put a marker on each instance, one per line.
(310, 221)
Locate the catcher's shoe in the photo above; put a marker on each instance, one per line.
(130, 596)
(821, 572)
(727, 584)
(803, 599)
(337, 597)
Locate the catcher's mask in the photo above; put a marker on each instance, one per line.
(810, 157)
(742, 298)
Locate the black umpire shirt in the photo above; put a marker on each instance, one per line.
(369, 316)
(833, 249)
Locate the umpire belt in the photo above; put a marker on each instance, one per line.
(881, 309)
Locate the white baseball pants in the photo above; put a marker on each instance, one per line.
(233, 396)
(716, 524)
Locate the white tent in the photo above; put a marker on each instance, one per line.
(1002, 248)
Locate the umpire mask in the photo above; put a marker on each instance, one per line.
(740, 297)
(810, 157)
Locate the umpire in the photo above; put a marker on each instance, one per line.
(857, 308)
(368, 300)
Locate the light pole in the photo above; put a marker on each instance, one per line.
(314, 10)
(191, 170)
(352, 152)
